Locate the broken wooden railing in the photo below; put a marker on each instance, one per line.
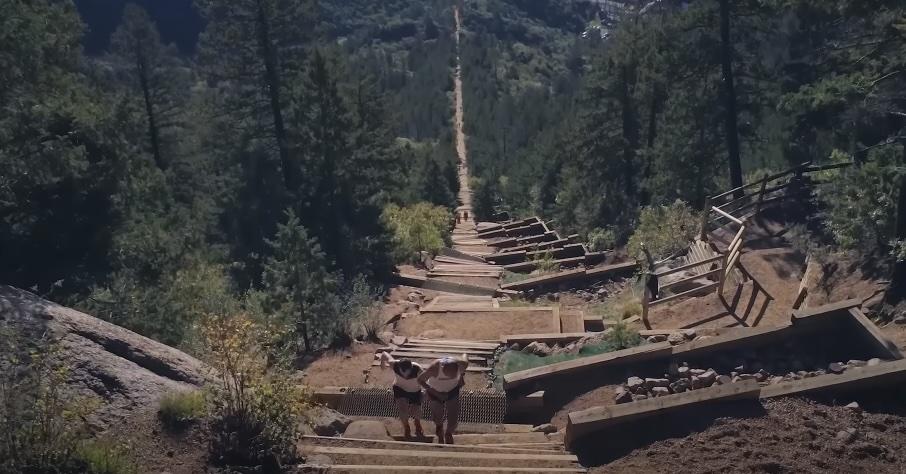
(647, 298)
(749, 200)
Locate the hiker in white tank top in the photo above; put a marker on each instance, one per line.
(407, 392)
(442, 381)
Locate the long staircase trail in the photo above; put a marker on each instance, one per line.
(482, 445)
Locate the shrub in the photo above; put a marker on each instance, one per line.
(39, 427)
(255, 408)
(545, 263)
(665, 230)
(617, 338)
(416, 228)
(104, 457)
(860, 203)
(359, 314)
(176, 410)
(600, 240)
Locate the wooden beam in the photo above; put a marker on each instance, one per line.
(532, 264)
(690, 278)
(858, 378)
(688, 266)
(450, 455)
(472, 368)
(403, 353)
(885, 348)
(381, 469)
(636, 354)
(460, 351)
(581, 423)
(545, 280)
(425, 446)
(685, 293)
(453, 343)
(757, 336)
(547, 338)
(725, 215)
(826, 310)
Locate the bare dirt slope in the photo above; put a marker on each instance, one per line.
(778, 436)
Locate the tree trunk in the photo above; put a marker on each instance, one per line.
(153, 131)
(630, 133)
(302, 328)
(272, 81)
(645, 198)
(726, 57)
(898, 279)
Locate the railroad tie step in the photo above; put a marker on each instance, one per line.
(428, 459)
(370, 469)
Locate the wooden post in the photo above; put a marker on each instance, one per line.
(645, 306)
(723, 275)
(764, 185)
(705, 213)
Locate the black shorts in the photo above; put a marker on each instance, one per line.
(414, 398)
(451, 395)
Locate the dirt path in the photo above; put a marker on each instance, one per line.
(465, 193)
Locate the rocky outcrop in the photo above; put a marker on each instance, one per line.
(126, 371)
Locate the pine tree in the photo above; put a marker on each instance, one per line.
(299, 289)
(256, 48)
(153, 71)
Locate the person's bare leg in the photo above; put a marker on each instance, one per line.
(414, 410)
(437, 413)
(403, 406)
(452, 419)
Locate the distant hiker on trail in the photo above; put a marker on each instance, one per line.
(407, 392)
(442, 381)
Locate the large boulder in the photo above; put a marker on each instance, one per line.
(327, 422)
(367, 429)
(124, 371)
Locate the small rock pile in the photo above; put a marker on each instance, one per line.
(682, 378)
(573, 348)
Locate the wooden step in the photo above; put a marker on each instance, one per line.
(454, 343)
(433, 355)
(484, 439)
(548, 448)
(428, 459)
(471, 368)
(367, 469)
(408, 348)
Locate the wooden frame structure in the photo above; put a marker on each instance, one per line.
(733, 207)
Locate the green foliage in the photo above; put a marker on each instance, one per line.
(300, 299)
(417, 228)
(860, 203)
(179, 409)
(255, 407)
(40, 425)
(601, 239)
(664, 230)
(545, 263)
(105, 457)
(618, 338)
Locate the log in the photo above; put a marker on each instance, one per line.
(636, 354)
(581, 423)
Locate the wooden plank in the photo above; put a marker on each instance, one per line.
(690, 278)
(549, 279)
(636, 354)
(483, 343)
(472, 368)
(726, 215)
(858, 378)
(757, 336)
(685, 293)
(885, 348)
(547, 338)
(826, 310)
(532, 264)
(581, 423)
(611, 269)
(428, 446)
(435, 355)
(380, 469)
(460, 351)
(688, 266)
(567, 458)
(571, 322)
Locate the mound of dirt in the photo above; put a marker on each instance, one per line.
(126, 371)
(786, 435)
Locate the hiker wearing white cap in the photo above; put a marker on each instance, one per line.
(442, 381)
(407, 393)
